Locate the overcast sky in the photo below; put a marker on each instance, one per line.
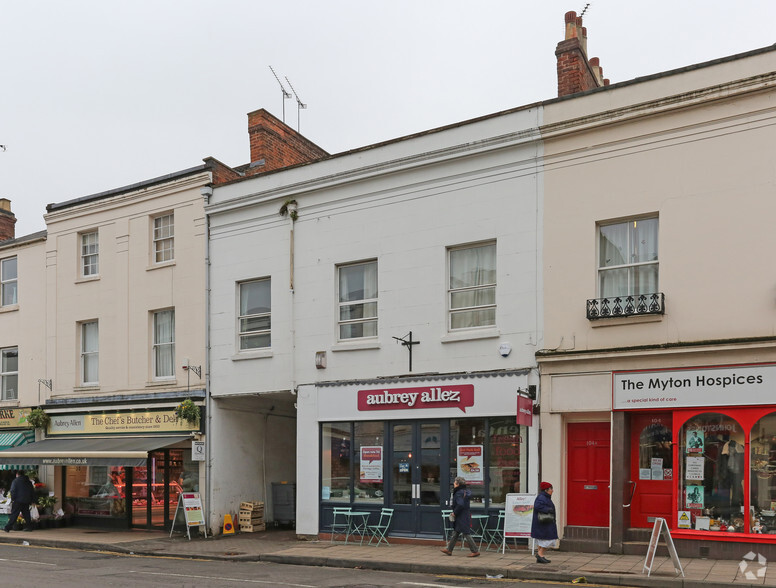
(98, 94)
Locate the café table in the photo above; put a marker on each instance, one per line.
(357, 524)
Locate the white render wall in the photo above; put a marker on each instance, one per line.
(403, 204)
(23, 325)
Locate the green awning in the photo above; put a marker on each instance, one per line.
(14, 439)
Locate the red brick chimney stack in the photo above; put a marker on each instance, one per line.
(7, 220)
(275, 145)
(575, 72)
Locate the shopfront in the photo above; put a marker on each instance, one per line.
(400, 445)
(117, 469)
(702, 451)
(14, 432)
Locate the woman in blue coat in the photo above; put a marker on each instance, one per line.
(544, 533)
(463, 518)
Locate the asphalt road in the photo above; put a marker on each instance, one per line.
(25, 566)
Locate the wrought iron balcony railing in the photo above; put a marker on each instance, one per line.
(619, 306)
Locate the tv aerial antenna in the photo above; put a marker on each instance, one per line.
(299, 104)
(286, 94)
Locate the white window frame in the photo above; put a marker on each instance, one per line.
(474, 290)
(90, 254)
(161, 344)
(90, 353)
(366, 321)
(630, 253)
(9, 281)
(163, 237)
(244, 330)
(6, 374)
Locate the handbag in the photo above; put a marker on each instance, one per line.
(451, 517)
(545, 518)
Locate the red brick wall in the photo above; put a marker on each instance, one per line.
(7, 221)
(277, 144)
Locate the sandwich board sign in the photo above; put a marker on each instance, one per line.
(191, 504)
(518, 515)
(661, 527)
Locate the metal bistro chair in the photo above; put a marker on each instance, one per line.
(447, 524)
(495, 535)
(379, 530)
(340, 522)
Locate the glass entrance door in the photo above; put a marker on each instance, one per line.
(419, 450)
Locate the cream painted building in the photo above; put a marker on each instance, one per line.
(23, 373)
(119, 341)
(660, 309)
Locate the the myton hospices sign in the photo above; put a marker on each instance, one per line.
(715, 386)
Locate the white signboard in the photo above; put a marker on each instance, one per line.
(693, 468)
(198, 451)
(684, 521)
(518, 515)
(740, 385)
(191, 504)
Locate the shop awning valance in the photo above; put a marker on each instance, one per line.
(101, 451)
(14, 439)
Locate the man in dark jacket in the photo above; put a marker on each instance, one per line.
(22, 496)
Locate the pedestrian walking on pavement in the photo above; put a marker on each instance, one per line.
(543, 527)
(22, 496)
(462, 517)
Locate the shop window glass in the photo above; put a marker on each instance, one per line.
(467, 456)
(656, 453)
(711, 486)
(507, 463)
(368, 438)
(763, 477)
(96, 491)
(335, 462)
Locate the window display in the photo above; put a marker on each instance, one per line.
(369, 438)
(711, 460)
(762, 481)
(335, 462)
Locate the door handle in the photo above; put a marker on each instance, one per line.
(633, 491)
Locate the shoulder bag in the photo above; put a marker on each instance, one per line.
(545, 518)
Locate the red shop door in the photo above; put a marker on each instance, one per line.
(588, 474)
(651, 468)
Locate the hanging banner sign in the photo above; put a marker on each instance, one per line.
(524, 410)
(471, 464)
(371, 463)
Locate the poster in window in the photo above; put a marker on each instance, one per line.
(371, 463)
(694, 497)
(657, 468)
(470, 464)
(694, 442)
(693, 469)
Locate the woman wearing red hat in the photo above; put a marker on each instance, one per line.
(543, 528)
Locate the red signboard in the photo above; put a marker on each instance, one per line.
(524, 410)
(456, 396)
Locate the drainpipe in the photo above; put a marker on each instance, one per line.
(207, 192)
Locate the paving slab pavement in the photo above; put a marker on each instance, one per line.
(282, 546)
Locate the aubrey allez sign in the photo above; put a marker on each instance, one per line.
(456, 396)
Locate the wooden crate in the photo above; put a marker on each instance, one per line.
(251, 505)
(250, 520)
(252, 528)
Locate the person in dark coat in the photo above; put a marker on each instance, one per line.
(546, 533)
(22, 496)
(463, 518)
